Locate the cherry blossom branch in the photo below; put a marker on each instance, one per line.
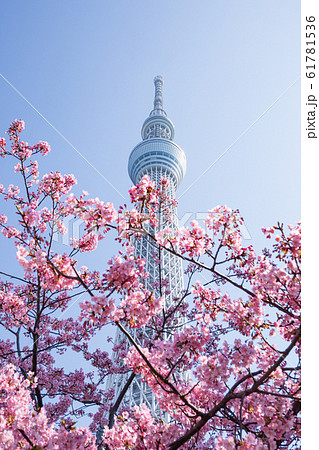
(17, 278)
(116, 405)
(231, 395)
(158, 375)
(26, 437)
(201, 265)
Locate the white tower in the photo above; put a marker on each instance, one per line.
(158, 156)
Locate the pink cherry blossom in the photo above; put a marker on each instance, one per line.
(222, 360)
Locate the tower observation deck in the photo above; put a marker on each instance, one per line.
(157, 156)
(157, 153)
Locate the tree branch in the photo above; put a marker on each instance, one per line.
(231, 395)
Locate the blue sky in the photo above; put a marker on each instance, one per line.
(89, 71)
(231, 88)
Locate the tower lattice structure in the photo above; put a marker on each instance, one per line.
(157, 156)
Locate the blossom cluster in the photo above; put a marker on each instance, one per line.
(222, 359)
(138, 429)
(22, 426)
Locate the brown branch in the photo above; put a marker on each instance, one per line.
(202, 266)
(116, 405)
(157, 375)
(26, 437)
(231, 395)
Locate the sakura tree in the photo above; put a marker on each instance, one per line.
(228, 379)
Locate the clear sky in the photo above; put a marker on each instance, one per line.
(88, 68)
(231, 88)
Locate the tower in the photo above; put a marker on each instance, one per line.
(157, 156)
